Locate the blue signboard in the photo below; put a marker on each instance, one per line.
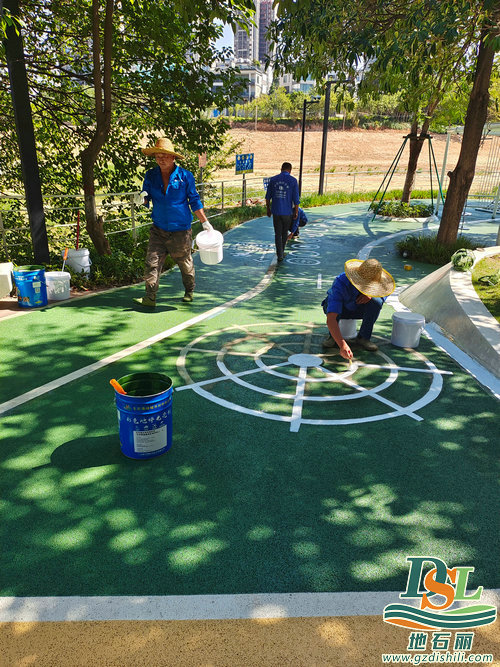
(266, 183)
(244, 163)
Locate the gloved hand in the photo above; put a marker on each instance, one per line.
(139, 198)
(207, 226)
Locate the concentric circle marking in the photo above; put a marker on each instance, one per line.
(263, 359)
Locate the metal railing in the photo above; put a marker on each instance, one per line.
(121, 214)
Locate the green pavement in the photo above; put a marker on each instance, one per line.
(282, 476)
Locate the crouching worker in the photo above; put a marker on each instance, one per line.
(299, 221)
(356, 294)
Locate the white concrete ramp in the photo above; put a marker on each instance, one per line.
(448, 298)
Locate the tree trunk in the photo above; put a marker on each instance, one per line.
(14, 56)
(416, 144)
(462, 176)
(102, 93)
(94, 222)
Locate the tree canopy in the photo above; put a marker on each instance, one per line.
(151, 66)
(418, 47)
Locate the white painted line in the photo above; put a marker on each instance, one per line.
(373, 394)
(203, 607)
(86, 370)
(407, 368)
(299, 400)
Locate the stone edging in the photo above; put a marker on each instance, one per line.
(471, 304)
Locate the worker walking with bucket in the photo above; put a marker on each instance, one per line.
(172, 191)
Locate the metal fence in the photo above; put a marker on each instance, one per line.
(65, 217)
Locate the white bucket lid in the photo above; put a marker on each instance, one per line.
(209, 239)
(410, 318)
(57, 275)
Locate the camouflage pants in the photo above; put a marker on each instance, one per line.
(175, 244)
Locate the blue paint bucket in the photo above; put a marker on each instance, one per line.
(31, 286)
(145, 414)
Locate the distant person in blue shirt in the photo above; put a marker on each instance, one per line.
(282, 201)
(173, 193)
(356, 294)
(300, 221)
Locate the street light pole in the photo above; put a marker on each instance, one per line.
(325, 132)
(304, 108)
(326, 116)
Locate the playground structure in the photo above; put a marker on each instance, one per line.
(486, 193)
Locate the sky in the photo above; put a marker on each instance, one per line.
(226, 39)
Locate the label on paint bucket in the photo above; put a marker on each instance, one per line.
(150, 441)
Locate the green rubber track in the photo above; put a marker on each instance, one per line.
(242, 503)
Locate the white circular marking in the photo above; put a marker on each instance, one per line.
(307, 360)
(277, 346)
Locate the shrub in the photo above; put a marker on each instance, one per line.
(399, 209)
(462, 259)
(427, 249)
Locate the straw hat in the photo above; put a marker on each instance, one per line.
(369, 277)
(163, 145)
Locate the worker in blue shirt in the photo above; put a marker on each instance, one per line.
(173, 193)
(356, 294)
(300, 221)
(282, 201)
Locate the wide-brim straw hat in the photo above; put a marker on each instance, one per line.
(369, 277)
(165, 146)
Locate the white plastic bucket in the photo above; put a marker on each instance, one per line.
(6, 278)
(210, 246)
(348, 328)
(79, 260)
(406, 329)
(57, 285)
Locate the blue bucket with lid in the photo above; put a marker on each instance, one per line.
(31, 286)
(145, 414)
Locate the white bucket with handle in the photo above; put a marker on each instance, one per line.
(6, 278)
(348, 328)
(406, 329)
(79, 260)
(210, 246)
(58, 285)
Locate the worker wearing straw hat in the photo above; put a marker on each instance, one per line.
(356, 294)
(173, 193)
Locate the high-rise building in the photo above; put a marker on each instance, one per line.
(266, 15)
(246, 44)
(253, 45)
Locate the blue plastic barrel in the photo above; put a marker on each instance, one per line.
(31, 286)
(145, 415)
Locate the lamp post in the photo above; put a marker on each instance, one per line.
(325, 131)
(304, 109)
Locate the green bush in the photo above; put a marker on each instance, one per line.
(427, 249)
(462, 259)
(399, 209)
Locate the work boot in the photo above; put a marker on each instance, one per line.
(146, 301)
(365, 344)
(329, 342)
(188, 297)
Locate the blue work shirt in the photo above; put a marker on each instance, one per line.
(342, 296)
(299, 221)
(283, 191)
(172, 209)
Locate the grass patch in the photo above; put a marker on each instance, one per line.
(488, 269)
(427, 249)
